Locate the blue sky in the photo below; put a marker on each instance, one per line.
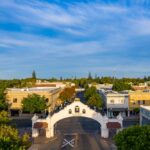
(73, 37)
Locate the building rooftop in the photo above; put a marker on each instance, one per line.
(114, 93)
(49, 89)
(145, 107)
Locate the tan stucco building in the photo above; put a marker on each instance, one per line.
(14, 96)
(138, 98)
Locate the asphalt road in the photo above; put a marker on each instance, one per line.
(22, 123)
(78, 142)
(77, 125)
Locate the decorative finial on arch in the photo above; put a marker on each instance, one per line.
(77, 99)
(35, 117)
(119, 117)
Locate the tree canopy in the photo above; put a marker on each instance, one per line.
(9, 136)
(33, 75)
(120, 86)
(4, 117)
(90, 76)
(9, 139)
(93, 98)
(89, 92)
(133, 138)
(34, 103)
(67, 94)
(3, 105)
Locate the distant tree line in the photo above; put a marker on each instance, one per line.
(119, 83)
(83, 82)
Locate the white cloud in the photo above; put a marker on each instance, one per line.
(40, 14)
(94, 30)
(79, 19)
(46, 45)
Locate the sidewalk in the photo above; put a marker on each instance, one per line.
(34, 147)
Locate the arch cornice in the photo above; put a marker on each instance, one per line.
(89, 113)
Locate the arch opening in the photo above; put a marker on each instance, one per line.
(77, 125)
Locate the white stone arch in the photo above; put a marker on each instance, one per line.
(89, 113)
(64, 113)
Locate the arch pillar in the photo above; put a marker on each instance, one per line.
(104, 133)
(104, 129)
(120, 119)
(48, 133)
(50, 129)
(35, 132)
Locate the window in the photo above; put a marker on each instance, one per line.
(77, 109)
(47, 100)
(139, 102)
(70, 111)
(112, 101)
(122, 101)
(14, 100)
(83, 111)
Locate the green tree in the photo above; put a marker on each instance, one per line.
(120, 86)
(90, 76)
(34, 103)
(3, 105)
(33, 75)
(9, 136)
(61, 78)
(10, 140)
(67, 94)
(95, 100)
(133, 138)
(4, 117)
(89, 92)
(136, 110)
(109, 80)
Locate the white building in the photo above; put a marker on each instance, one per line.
(61, 85)
(40, 83)
(102, 86)
(115, 103)
(144, 115)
